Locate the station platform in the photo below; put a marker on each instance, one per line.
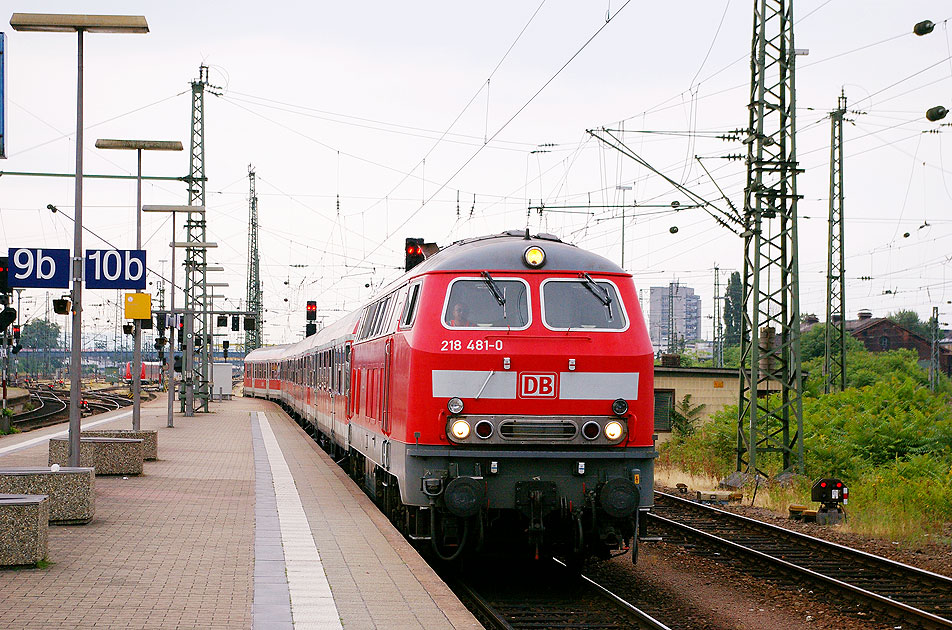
(243, 522)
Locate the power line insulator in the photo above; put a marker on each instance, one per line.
(923, 28)
(936, 113)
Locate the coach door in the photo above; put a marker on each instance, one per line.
(385, 414)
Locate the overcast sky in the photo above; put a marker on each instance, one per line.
(398, 110)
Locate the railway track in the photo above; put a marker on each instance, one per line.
(52, 403)
(548, 596)
(905, 593)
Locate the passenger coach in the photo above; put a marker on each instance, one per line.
(499, 393)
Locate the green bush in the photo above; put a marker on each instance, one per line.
(887, 436)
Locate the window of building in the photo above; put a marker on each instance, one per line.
(663, 406)
(884, 342)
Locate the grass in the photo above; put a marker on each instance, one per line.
(891, 505)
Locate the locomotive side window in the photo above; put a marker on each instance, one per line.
(583, 303)
(487, 303)
(410, 309)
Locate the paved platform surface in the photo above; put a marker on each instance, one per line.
(241, 523)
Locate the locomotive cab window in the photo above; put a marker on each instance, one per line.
(410, 307)
(582, 303)
(487, 302)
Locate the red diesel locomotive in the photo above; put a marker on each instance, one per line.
(499, 393)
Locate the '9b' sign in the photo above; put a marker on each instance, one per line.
(115, 269)
(38, 268)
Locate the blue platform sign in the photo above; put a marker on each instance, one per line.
(115, 269)
(38, 268)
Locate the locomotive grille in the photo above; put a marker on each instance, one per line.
(538, 430)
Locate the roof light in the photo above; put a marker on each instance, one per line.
(534, 257)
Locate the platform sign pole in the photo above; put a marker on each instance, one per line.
(173, 325)
(76, 354)
(137, 344)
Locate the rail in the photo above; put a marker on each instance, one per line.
(906, 592)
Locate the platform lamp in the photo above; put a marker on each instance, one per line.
(171, 373)
(138, 146)
(79, 24)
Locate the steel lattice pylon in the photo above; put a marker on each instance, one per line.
(834, 363)
(254, 298)
(770, 413)
(196, 368)
(718, 345)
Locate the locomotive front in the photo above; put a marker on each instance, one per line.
(529, 407)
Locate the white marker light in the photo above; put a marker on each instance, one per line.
(614, 430)
(460, 429)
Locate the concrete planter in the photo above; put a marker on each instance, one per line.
(109, 456)
(150, 439)
(24, 529)
(70, 491)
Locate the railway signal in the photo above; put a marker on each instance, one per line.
(4, 284)
(311, 310)
(224, 348)
(415, 253)
(7, 317)
(235, 323)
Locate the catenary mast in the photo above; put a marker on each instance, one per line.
(770, 410)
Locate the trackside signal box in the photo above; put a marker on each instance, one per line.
(831, 494)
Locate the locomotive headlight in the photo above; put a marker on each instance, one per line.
(460, 429)
(614, 430)
(620, 407)
(534, 257)
(455, 405)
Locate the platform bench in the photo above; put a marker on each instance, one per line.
(24, 529)
(70, 490)
(109, 456)
(150, 439)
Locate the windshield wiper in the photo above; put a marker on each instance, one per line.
(494, 288)
(599, 292)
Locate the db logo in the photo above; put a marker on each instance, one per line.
(538, 385)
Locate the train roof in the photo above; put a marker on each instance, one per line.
(503, 252)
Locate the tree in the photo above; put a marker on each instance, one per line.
(733, 310)
(813, 343)
(685, 417)
(910, 321)
(40, 334)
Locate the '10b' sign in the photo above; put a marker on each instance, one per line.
(115, 269)
(49, 268)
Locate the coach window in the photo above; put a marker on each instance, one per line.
(582, 303)
(410, 308)
(487, 303)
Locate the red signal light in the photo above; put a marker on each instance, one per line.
(822, 484)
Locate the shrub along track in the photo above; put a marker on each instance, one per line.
(905, 593)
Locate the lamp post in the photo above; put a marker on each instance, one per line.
(79, 24)
(138, 146)
(171, 372)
